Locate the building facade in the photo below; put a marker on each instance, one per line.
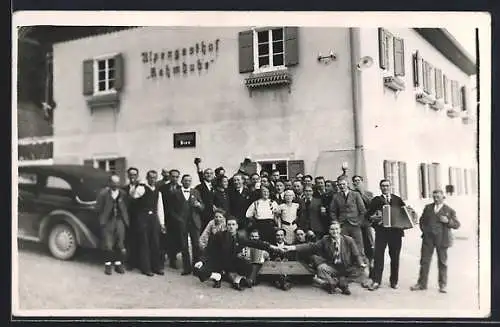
(301, 99)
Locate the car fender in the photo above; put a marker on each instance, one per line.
(84, 236)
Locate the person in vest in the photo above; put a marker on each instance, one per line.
(113, 219)
(131, 236)
(150, 224)
(436, 223)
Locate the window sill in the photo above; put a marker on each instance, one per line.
(267, 79)
(453, 113)
(425, 98)
(111, 99)
(394, 83)
(437, 105)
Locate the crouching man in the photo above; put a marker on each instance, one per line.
(113, 219)
(337, 259)
(223, 258)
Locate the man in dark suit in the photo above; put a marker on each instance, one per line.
(348, 209)
(206, 190)
(224, 258)
(165, 178)
(385, 236)
(336, 257)
(131, 233)
(279, 195)
(239, 201)
(171, 240)
(436, 223)
(186, 207)
(312, 216)
(366, 228)
(113, 219)
(150, 224)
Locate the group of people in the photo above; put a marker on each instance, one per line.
(233, 225)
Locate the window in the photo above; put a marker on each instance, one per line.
(458, 178)
(103, 75)
(112, 165)
(104, 80)
(27, 178)
(439, 83)
(429, 176)
(391, 53)
(270, 49)
(395, 172)
(54, 182)
(287, 168)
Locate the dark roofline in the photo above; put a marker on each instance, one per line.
(449, 47)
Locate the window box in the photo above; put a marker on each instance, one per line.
(266, 79)
(425, 98)
(453, 113)
(394, 83)
(437, 105)
(109, 100)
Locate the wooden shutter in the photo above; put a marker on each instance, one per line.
(425, 82)
(403, 183)
(387, 169)
(463, 91)
(120, 168)
(432, 179)
(466, 181)
(119, 72)
(439, 83)
(88, 162)
(454, 97)
(88, 77)
(430, 79)
(295, 167)
(417, 81)
(424, 180)
(383, 48)
(245, 45)
(437, 174)
(445, 89)
(291, 46)
(399, 57)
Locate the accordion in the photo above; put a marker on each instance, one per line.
(397, 217)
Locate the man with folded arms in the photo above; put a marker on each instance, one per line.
(337, 259)
(224, 258)
(436, 223)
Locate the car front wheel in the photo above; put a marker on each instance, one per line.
(62, 242)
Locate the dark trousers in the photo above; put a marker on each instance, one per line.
(427, 250)
(337, 274)
(149, 243)
(172, 241)
(114, 240)
(132, 243)
(369, 243)
(194, 234)
(356, 233)
(392, 238)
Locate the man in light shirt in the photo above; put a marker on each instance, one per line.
(150, 222)
(436, 223)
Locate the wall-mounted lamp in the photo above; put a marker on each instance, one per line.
(328, 58)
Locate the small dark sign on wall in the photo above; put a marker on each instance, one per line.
(185, 140)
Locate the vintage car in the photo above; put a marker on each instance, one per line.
(57, 207)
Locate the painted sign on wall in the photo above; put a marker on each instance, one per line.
(182, 61)
(185, 140)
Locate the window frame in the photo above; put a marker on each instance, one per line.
(267, 161)
(270, 41)
(393, 175)
(106, 58)
(107, 160)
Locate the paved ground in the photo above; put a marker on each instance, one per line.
(47, 283)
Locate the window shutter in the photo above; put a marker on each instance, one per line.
(119, 72)
(88, 162)
(120, 168)
(425, 82)
(420, 181)
(453, 94)
(295, 167)
(424, 173)
(445, 89)
(399, 57)
(466, 181)
(88, 77)
(245, 44)
(463, 91)
(439, 83)
(437, 174)
(291, 46)
(382, 48)
(416, 69)
(403, 186)
(430, 79)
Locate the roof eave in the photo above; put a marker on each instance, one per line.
(449, 47)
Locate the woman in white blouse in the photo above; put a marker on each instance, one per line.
(263, 214)
(288, 212)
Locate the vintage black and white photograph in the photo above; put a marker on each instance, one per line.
(250, 164)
